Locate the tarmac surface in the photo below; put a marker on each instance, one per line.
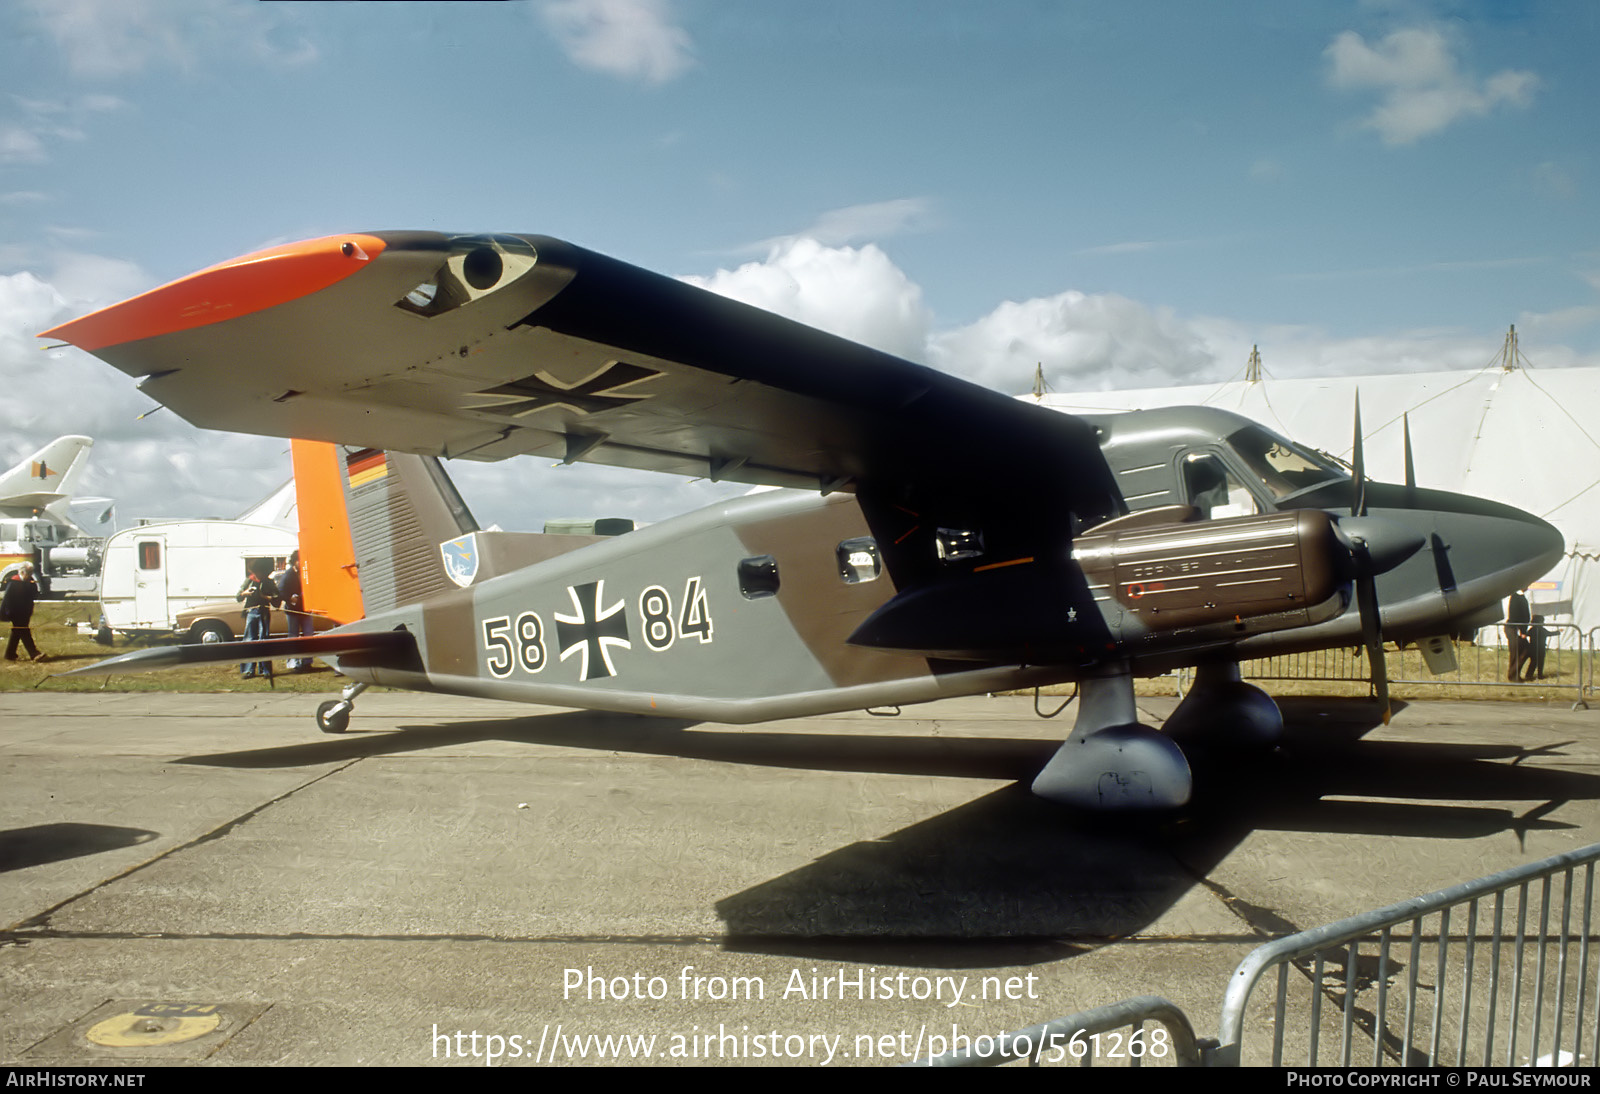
(207, 879)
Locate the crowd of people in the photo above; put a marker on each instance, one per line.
(261, 592)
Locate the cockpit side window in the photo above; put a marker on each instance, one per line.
(1209, 486)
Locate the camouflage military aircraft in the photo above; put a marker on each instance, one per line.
(941, 539)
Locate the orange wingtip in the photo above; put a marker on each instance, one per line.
(251, 283)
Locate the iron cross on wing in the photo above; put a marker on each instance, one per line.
(593, 393)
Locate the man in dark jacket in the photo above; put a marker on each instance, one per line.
(297, 621)
(16, 607)
(257, 595)
(1517, 620)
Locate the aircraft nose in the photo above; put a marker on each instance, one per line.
(1512, 545)
(1482, 550)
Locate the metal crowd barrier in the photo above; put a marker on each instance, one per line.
(1569, 665)
(1397, 986)
(1489, 998)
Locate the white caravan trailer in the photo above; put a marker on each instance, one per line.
(150, 574)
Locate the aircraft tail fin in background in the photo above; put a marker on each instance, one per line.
(371, 528)
(47, 476)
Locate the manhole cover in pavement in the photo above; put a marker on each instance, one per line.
(148, 1029)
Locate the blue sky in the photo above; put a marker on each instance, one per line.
(1131, 194)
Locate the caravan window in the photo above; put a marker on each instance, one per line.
(149, 554)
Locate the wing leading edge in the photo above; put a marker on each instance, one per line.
(485, 347)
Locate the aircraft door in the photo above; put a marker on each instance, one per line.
(150, 579)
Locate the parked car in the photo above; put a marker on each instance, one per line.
(223, 621)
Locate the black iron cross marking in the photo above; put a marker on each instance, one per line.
(541, 391)
(593, 630)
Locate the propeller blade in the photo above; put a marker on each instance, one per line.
(1372, 638)
(1358, 482)
(1411, 467)
(1376, 546)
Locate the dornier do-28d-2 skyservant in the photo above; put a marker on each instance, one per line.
(939, 539)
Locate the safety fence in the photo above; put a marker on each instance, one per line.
(1493, 972)
(1562, 661)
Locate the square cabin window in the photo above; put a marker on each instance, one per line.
(758, 577)
(149, 554)
(858, 560)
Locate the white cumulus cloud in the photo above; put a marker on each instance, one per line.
(633, 39)
(1421, 85)
(856, 293)
(108, 39)
(1083, 341)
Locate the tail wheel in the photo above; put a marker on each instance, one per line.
(333, 716)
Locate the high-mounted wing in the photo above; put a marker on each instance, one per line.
(490, 346)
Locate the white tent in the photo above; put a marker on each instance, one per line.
(1527, 437)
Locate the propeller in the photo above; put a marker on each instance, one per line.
(1376, 545)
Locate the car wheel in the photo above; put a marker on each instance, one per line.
(209, 631)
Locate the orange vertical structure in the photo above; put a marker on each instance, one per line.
(328, 578)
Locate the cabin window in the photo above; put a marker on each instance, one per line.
(758, 577)
(858, 560)
(149, 554)
(955, 544)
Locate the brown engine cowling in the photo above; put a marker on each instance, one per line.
(1248, 574)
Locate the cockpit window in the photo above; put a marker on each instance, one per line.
(475, 267)
(1282, 465)
(1214, 490)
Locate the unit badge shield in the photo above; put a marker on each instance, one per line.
(461, 559)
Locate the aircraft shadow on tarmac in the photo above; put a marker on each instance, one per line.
(44, 843)
(1011, 879)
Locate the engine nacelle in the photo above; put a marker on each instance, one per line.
(1248, 574)
(1156, 582)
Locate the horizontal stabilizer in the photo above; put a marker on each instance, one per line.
(399, 646)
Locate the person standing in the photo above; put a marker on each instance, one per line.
(297, 620)
(16, 608)
(1517, 620)
(1539, 637)
(257, 594)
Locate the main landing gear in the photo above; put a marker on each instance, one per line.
(1112, 762)
(1222, 711)
(334, 715)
